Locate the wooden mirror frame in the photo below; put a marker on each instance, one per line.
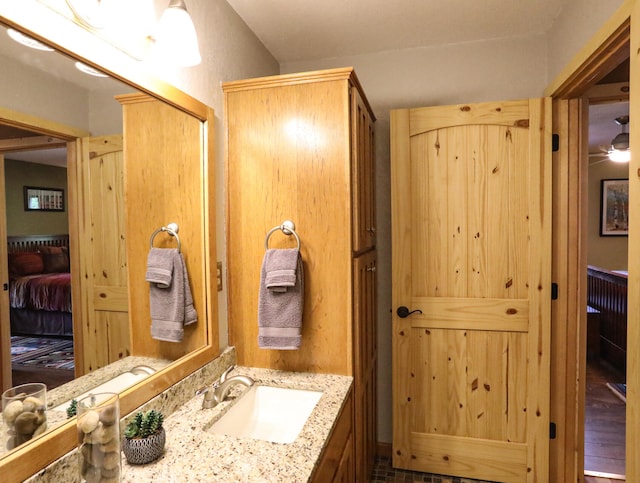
(25, 461)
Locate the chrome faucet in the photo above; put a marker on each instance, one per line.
(220, 389)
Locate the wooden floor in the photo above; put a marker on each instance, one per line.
(604, 433)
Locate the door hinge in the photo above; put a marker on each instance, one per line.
(552, 430)
(555, 143)
(5, 286)
(554, 291)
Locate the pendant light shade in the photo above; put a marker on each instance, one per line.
(619, 151)
(176, 41)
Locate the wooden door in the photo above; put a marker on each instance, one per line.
(5, 326)
(471, 241)
(102, 322)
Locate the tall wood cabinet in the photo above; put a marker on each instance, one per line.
(300, 147)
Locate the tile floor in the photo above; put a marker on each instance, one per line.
(384, 472)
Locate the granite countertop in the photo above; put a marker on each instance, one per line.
(192, 454)
(64, 393)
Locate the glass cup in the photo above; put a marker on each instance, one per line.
(98, 424)
(24, 413)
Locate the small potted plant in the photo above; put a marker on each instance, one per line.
(144, 438)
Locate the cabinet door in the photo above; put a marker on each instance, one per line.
(365, 354)
(362, 174)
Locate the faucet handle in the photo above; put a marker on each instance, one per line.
(224, 375)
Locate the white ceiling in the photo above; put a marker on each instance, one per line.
(296, 30)
(310, 29)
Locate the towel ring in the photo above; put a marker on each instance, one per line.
(288, 227)
(171, 229)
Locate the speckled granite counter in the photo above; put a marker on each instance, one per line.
(66, 392)
(192, 454)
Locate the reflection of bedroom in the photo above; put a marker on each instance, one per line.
(39, 289)
(607, 243)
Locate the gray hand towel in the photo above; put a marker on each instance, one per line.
(170, 297)
(280, 305)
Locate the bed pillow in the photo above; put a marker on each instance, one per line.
(55, 259)
(25, 263)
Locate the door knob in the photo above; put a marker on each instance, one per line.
(404, 312)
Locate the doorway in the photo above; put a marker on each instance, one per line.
(607, 264)
(22, 133)
(607, 50)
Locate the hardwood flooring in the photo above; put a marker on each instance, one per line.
(604, 451)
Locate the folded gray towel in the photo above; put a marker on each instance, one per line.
(280, 269)
(170, 298)
(280, 305)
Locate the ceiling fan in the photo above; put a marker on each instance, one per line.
(618, 151)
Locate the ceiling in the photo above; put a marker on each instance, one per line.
(309, 29)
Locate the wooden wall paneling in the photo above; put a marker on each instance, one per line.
(288, 152)
(170, 181)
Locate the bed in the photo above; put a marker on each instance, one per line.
(607, 294)
(40, 285)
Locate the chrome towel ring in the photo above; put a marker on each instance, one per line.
(288, 227)
(171, 229)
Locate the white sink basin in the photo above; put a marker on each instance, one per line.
(116, 384)
(268, 413)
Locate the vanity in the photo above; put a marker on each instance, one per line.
(321, 452)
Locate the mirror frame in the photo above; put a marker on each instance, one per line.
(27, 460)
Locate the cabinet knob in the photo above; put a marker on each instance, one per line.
(371, 268)
(371, 229)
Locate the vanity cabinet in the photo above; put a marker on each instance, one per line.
(300, 147)
(336, 464)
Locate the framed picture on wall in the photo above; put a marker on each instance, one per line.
(614, 207)
(43, 199)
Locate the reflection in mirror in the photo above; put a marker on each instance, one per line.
(62, 130)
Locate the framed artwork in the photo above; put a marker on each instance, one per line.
(614, 207)
(43, 199)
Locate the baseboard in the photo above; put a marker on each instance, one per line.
(383, 449)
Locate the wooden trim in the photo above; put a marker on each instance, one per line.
(383, 449)
(37, 124)
(568, 339)
(607, 48)
(344, 73)
(604, 51)
(95, 53)
(633, 281)
(5, 327)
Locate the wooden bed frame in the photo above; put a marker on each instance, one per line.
(607, 293)
(30, 243)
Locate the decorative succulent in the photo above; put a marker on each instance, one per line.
(144, 424)
(72, 409)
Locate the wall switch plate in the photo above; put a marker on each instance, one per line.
(219, 275)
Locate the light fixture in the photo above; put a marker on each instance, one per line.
(619, 151)
(28, 41)
(90, 13)
(89, 70)
(176, 41)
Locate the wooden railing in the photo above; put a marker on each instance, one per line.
(31, 243)
(607, 293)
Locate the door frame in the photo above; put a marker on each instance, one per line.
(54, 135)
(606, 49)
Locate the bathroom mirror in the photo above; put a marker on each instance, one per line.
(30, 457)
